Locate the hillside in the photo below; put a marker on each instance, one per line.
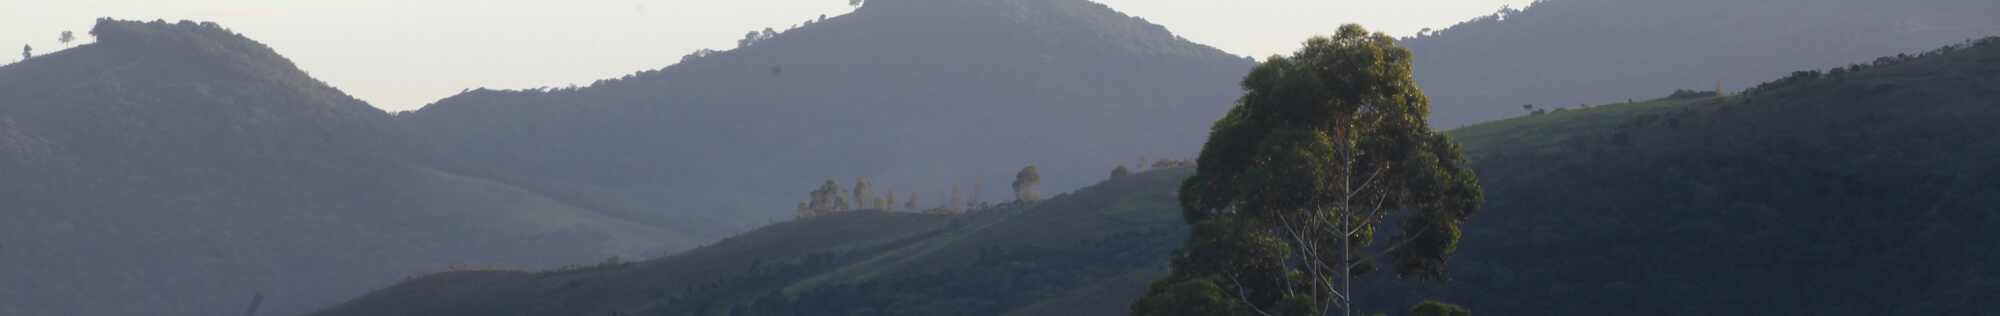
(1562, 53)
(894, 263)
(1859, 191)
(180, 169)
(1864, 190)
(913, 95)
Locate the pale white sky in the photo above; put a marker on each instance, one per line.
(403, 54)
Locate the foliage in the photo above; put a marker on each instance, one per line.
(828, 198)
(1293, 182)
(1025, 182)
(1192, 297)
(1435, 308)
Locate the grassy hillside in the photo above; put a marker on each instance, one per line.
(894, 263)
(1562, 53)
(913, 95)
(180, 169)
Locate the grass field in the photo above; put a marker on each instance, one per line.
(1554, 129)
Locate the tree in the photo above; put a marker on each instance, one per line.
(827, 199)
(1142, 163)
(913, 201)
(1025, 182)
(1197, 297)
(956, 199)
(27, 51)
(852, 3)
(972, 199)
(1121, 172)
(889, 202)
(68, 36)
(1435, 308)
(1295, 180)
(864, 194)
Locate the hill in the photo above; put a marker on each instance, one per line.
(180, 169)
(893, 263)
(1858, 191)
(914, 95)
(1562, 53)
(1865, 189)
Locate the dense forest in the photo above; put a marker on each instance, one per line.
(1563, 53)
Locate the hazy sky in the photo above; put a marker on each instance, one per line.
(403, 54)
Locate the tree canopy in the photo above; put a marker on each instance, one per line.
(1294, 181)
(1025, 182)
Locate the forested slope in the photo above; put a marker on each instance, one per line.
(180, 169)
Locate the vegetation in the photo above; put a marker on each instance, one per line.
(1296, 179)
(870, 262)
(1858, 193)
(1025, 182)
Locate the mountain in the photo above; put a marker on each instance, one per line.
(1863, 190)
(916, 96)
(181, 169)
(1562, 53)
(1102, 241)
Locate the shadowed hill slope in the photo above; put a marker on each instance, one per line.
(894, 263)
(1562, 53)
(1867, 190)
(178, 169)
(909, 94)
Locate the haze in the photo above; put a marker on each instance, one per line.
(401, 55)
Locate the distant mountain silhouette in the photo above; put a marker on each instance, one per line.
(1562, 53)
(178, 169)
(910, 94)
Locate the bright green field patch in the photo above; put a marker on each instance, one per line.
(510, 209)
(1552, 129)
(895, 259)
(1156, 204)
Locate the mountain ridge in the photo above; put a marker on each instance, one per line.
(1563, 53)
(986, 94)
(191, 167)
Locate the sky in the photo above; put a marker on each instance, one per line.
(403, 54)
